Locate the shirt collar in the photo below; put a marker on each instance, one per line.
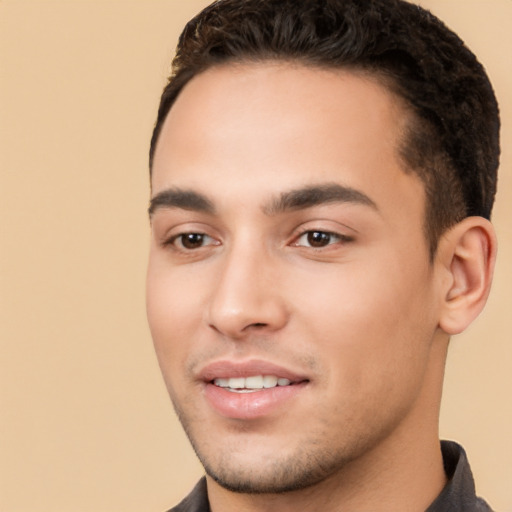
(459, 493)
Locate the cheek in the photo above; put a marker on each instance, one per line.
(172, 311)
(370, 321)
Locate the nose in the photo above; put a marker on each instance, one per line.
(248, 297)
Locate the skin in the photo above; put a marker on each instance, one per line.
(362, 315)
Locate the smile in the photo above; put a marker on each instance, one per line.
(251, 389)
(251, 384)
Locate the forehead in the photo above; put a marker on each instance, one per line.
(257, 126)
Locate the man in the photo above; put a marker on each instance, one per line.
(322, 177)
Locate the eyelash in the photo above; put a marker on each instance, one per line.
(178, 243)
(338, 238)
(173, 241)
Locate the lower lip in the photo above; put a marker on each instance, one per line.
(253, 405)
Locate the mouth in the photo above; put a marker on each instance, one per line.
(251, 389)
(253, 383)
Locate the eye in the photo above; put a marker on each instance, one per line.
(191, 241)
(318, 239)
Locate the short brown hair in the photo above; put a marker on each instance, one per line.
(452, 142)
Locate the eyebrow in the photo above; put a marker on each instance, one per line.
(178, 198)
(297, 199)
(316, 195)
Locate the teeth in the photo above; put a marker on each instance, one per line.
(237, 383)
(269, 381)
(248, 384)
(254, 382)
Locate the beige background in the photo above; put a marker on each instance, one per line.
(85, 421)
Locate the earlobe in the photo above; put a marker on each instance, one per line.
(468, 251)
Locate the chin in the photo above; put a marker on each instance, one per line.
(283, 477)
(266, 470)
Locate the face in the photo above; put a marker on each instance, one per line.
(290, 295)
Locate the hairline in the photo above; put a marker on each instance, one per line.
(380, 76)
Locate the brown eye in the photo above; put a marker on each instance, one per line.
(192, 240)
(318, 238)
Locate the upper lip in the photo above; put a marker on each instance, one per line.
(225, 369)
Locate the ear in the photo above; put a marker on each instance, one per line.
(467, 253)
